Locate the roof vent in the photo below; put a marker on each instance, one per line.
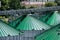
(43, 39)
(58, 33)
(8, 35)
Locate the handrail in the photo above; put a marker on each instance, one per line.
(54, 8)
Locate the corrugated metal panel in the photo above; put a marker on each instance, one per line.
(15, 22)
(30, 23)
(54, 19)
(52, 34)
(6, 30)
(16, 38)
(31, 33)
(27, 35)
(46, 17)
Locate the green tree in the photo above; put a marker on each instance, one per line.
(14, 4)
(48, 4)
(58, 2)
(11, 4)
(4, 4)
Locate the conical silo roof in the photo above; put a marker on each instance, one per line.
(52, 34)
(6, 30)
(15, 22)
(30, 23)
(46, 17)
(54, 19)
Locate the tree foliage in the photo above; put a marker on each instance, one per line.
(11, 4)
(58, 2)
(48, 4)
(14, 4)
(4, 4)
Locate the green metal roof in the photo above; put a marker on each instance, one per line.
(54, 19)
(6, 30)
(30, 23)
(15, 22)
(46, 17)
(52, 34)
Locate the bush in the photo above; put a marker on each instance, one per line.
(48, 4)
(23, 7)
(31, 7)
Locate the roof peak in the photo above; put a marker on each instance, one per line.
(30, 23)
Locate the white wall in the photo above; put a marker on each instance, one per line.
(41, 0)
(0, 3)
(51, 0)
